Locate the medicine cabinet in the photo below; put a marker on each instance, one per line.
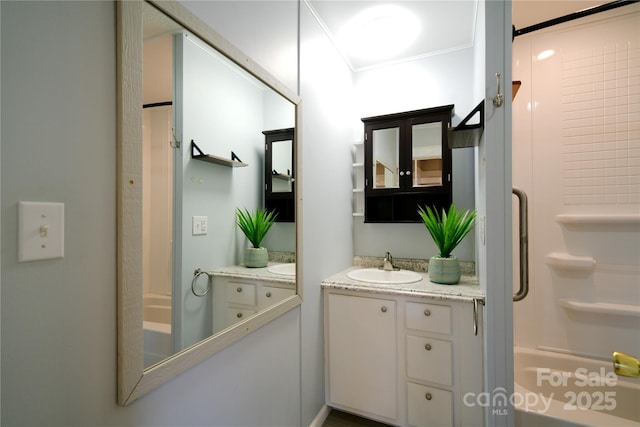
(407, 163)
(279, 173)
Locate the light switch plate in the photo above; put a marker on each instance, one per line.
(40, 231)
(199, 225)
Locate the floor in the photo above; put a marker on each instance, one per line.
(342, 419)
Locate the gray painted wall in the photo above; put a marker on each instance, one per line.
(59, 316)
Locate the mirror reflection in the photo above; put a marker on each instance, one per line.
(194, 280)
(282, 159)
(280, 174)
(386, 158)
(426, 142)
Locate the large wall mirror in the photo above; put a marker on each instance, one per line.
(193, 115)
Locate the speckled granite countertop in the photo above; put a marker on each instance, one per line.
(466, 290)
(253, 273)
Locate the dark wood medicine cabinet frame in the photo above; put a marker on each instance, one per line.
(282, 202)
(400, 204)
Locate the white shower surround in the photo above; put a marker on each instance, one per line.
(576, 152)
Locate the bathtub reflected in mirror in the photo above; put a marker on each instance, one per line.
(156, 323)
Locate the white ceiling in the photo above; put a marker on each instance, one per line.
(446, 25)
(436, 21)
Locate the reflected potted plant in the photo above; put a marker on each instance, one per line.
(255, 226)
(447, 231)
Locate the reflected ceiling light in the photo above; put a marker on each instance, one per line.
(379, 32)
(545, 54)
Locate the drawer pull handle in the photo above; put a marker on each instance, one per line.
(427, 347)
(268, 294)
(384, 309)
(238, 289)
(428, 396)
(427, 313)
(239, 315)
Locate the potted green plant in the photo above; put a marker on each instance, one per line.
(255, 226)
(447, 230)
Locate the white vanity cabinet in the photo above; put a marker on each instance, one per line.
(402, 359)
(241, 299)
(236, 298)
(362, 377)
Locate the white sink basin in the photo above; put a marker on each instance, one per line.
(376, 275)
(283, 269)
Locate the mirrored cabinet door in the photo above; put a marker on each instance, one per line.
(386, 157)
(279, 173)
(426, 155)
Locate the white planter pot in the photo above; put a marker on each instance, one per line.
(445, 271)
(256, 257)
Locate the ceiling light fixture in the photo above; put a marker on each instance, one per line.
(379, 32)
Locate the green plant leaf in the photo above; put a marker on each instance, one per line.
(447, 229)
(255, 225)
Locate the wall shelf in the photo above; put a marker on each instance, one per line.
(567, 261)
(358, 179)
(282, 176)
(515, 87)
(465, 135)
(598, 219)
(602, 308)
(233, 162)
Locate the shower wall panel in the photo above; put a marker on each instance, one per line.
(577, 154)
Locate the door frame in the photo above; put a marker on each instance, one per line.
(494, 212)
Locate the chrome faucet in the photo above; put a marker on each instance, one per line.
(387, 263)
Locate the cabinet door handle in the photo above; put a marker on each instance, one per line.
(383, 309)
(428, 396)
(238, 289)
(239, 315)
(268, 294)
(427, 347)
(427, 313)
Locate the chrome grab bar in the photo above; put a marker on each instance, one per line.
(524, 245)
(523, 291)
(197, 273)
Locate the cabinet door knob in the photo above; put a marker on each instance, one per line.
(239, 315)
(238, 289)
(268, 294)
(384, 309)
(428, 396)
(427, 313)
(408, 173)
(401, 173)
(427, 347)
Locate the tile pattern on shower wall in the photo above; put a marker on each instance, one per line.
(601, 125)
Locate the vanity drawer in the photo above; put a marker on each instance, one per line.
(241, 293)
(429, 317)
(429, 406)
(235, 315)
(269, 295)
(430, 360)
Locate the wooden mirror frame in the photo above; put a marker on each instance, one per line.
(133, 379)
